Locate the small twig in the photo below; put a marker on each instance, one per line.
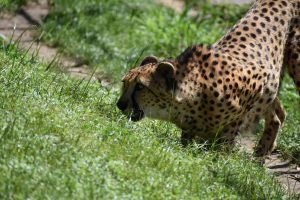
(29, 18)
(279, 165)
(291, 171)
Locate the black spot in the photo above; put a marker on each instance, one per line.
(295, 56)
(243, 39)
(228, 37)
(258, 31)
(198, 53)
(242, 46)
(246, 28)
(260, 46)
(269, 100)
(275, 9)
(215, 62)
(284, 3)
(206, 56)
(262, 24)
(216, 94)
(224, 62)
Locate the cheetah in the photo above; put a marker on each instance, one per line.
(218, 91)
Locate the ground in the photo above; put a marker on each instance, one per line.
(118, 164)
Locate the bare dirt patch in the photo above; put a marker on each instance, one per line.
(178, 5)
(232, 1)
(23, 26)
(287, 172)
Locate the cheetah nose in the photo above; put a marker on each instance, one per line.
(122, 105)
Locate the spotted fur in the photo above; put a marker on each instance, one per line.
(222, 90)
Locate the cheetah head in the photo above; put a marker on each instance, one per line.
(148, 90)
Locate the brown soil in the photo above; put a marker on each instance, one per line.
(178, 5)
(232, 1)
(24, 24)
(287, 172)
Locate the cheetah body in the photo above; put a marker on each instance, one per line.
(222, 90)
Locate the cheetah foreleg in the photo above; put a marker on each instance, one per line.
(228, 136)
(186, 137)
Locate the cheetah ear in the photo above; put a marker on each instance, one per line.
(149, 59)
(166, 70)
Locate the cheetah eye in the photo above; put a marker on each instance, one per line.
(139, 86)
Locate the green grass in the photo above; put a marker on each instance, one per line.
(11, 5)
(220, 12)
(289, 141)
(62, 138)
(112, 34)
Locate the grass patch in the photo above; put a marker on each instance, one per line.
(289, 141)
(62, 138)
(112, 35)
(217, 12)
(11, 5)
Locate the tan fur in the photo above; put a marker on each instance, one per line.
(219, 91)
